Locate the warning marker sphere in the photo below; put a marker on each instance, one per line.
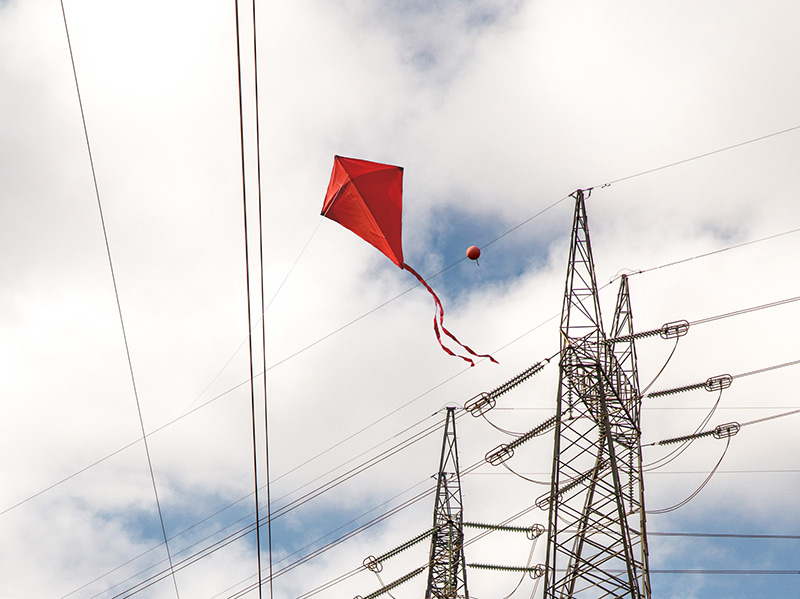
(473, 252)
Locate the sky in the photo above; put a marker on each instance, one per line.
(497, 111)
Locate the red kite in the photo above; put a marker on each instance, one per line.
(367, 198)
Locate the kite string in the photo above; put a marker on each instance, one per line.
(258, 321)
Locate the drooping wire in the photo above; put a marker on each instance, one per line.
(117, 298)
(248, 292)
(524, 573)
(663, 368)
(663, 461)
(696, 491)
(498, 428)
(383, 585)
(523, 477)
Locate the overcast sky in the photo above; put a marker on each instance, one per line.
(496, 110)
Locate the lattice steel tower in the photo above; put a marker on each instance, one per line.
(597, 544)
(447, 573)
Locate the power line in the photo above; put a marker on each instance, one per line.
(263, 307)
(116, 296)
(699, 156)
(712, 253)
(763, 572)
(215, 547)
(773, 417)
(418, 397)
(286, 508)
(224, 542)
(247, 278)
(651, 473)
(718, 535)
(745, 311)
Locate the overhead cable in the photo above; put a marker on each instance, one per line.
(699, 156)
(116, 296)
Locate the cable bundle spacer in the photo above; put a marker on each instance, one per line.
(499, 454)
(543, 502)
(718, 383)
(372, 564)
(724, 431)
(672, 330)
(480, 404)
(535, 531)
(537, 571)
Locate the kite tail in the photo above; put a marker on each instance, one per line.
(438, 321)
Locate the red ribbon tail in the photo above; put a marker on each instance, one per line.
(438, 321)
(447, 349)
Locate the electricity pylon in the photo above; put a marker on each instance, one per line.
(596, 544)
(447, 573)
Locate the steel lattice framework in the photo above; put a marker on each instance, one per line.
(596, 545)
(447, 575)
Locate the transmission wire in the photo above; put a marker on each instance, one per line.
(224, 393)
(263, 307)
(773, 417)
(442, 383)
(745, 311)
(248, 292)
(117, 298)
(291, 506)
(699, 156)
(712, 253)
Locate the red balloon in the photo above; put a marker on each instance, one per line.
(473, 252)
